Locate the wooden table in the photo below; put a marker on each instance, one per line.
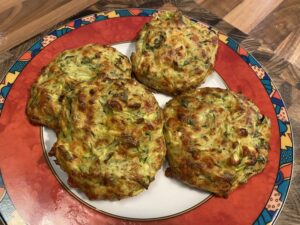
(269, 30)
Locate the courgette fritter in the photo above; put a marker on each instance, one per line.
(67, 70)
(216, 139)
(111, 140)
(173, 53)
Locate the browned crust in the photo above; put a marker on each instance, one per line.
(111, 140)
(216, 140)
(174, 54)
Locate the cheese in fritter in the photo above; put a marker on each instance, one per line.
(216, 139)
(111, 140)
(173, 53)
(67, 70)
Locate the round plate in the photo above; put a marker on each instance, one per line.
(174, 197)
(37, 192)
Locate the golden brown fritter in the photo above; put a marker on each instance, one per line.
(111, 140)
(173, 53)
(216, 140)
(67, 70)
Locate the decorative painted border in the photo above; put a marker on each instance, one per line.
(271, 211)
(283, 179)
(8, 212)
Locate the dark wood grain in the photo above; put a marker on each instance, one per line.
(289, 48)
(20, 20)
(22, 13)
(223, 7)
(249, 13)
(278, 24)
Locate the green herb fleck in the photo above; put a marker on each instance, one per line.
(261, 159)
(184, 102)
(86, 61)
(190, 122)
